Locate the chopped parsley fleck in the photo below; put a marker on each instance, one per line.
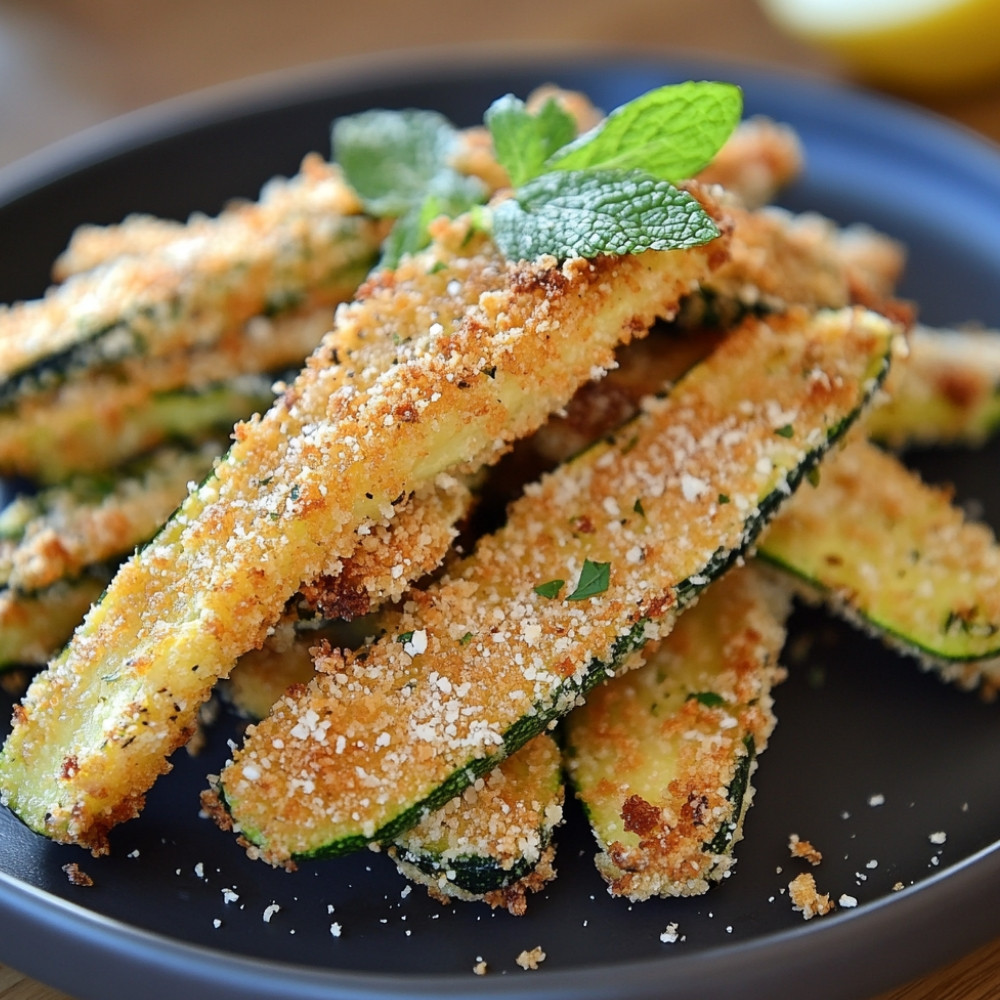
(550, 589)
(724, 498)
(786, 431)
(638, 508)
(404, 637)
(466, 639)
(707, 698)
(594, 579)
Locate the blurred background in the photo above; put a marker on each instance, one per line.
(68, 64)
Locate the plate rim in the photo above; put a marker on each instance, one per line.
(930, 903)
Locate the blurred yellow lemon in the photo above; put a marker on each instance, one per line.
(915, 45)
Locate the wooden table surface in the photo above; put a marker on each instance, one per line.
(69, 64)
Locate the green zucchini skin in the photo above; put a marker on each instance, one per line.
(898, 558)
(758, 373)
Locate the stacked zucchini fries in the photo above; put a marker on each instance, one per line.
(684, 432)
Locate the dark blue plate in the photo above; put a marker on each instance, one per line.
(855, 721)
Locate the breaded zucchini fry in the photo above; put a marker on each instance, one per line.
(57, 533)
(190, 293)
(317, 187)
(35, 626)
(779, 259)
(494, 841)
(946, 393)
(662, 757)
(98, 423)
(435, 368)
(594, 562)
(895, 556)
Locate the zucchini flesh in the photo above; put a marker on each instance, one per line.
(434, 368)
(946, 392)
(487, 660)
(83, 426)
(494, 841)
(896, 556)
(661, 758)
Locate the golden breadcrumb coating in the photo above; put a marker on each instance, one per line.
(195, 291)
(85, 425)
(806, 898)
(318, 187)
(895, 555)
(69, 535)
(946, 391)
(503, 821)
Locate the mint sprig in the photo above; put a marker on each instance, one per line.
(609, 191)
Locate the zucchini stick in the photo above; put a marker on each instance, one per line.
(435, 368)
(897, 557)
(35, 626)
(778, 259)
(494, 841)
(662, 757)
(189, 294)
(759, 159)
(946, 393)
(592, 563)
(111, 417)
(316, 187)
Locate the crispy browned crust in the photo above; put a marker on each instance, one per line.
(317, 187)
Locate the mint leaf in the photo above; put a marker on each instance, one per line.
(671, 132)
(586, 213)
(550, 589)
(398, 163)
(390, 158)
(594, 579)
(523, 141)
